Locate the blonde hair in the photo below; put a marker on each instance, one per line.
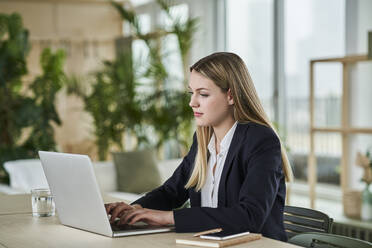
(228, 71)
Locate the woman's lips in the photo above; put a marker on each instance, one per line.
(197, 114)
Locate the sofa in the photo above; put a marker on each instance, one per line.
(28, 174)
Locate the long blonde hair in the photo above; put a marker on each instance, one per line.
(228, 71)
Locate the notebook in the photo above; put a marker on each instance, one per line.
(78, 199)
(197, 241)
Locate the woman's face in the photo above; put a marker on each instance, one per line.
(211, 106)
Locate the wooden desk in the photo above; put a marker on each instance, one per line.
(15, 204)
(23, 230)
(21, 204)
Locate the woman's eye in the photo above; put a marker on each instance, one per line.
(190, 92)
(204, 95)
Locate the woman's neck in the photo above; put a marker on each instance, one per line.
(221, 130)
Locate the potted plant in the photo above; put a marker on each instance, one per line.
(27, 111)
(116, 103)
(166, 110)
(152, 116)
(365, 161)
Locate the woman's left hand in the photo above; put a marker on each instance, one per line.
(149, 216)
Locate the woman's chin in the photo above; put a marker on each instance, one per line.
(201, 123)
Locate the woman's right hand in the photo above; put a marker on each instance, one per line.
(119, 209)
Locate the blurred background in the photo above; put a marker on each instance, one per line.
(98, 77)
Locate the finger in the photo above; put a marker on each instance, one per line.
(138, 217)
(119, 209)
(146, 217)
(130, 215)
(123, 216)
(123, 213)
(153, 217)
(109, 207)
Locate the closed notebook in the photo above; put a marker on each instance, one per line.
(197, 241)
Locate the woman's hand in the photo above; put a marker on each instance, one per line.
(149, 216)
(119, 209)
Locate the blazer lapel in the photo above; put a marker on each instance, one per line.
(234, 147)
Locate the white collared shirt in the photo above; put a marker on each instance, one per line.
(209, 192)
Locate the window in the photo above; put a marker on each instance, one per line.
(173, 60)
(313, 29)
(150, 18)
(250, 35)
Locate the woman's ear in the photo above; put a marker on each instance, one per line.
(230, 98)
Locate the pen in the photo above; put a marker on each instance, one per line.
(216, 230)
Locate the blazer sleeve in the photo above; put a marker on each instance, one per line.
(172, 194)
(256, 195)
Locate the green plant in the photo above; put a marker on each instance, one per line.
(168, 111)
(176, 111)
(113, 103)
(25, 110)
(14, 47)
(44, 89)
(116, 103)
(184, 30)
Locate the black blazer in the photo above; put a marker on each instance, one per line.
(251, 193)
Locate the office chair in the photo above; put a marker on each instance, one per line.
(327, 240)
(299, 220)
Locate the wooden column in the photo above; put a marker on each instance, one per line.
(345, 127)
(312, 174)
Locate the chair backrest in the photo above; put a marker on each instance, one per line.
(26, 174)
(299, 220)
(327, 240)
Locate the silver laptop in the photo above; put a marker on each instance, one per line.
(78, 199)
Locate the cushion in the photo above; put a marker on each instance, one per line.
(167, 167)
(136, 171)
(26, 174)
(106, 176)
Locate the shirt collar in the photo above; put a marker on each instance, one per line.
(211, 145)
(225, 143)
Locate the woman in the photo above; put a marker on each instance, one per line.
(235, 171)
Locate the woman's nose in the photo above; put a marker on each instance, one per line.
(193, 103)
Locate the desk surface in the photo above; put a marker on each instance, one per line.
(21, 204)
(19, 229)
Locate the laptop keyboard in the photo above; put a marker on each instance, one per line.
(126, 227)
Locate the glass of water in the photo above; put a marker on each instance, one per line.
(42, 203)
